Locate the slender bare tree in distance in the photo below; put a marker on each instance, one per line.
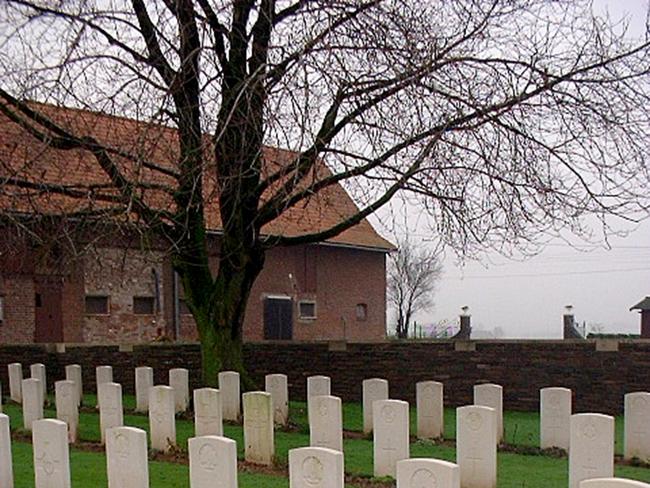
(507, 120)
(413, 271)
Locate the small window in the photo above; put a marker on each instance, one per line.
(2, 309)
(362, 311)
(307, 309)
(183, 308)
(37, 300)
(144, 305)
(96, 305)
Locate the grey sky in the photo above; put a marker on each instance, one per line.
(527, 299)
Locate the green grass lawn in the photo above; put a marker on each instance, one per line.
(515, 470)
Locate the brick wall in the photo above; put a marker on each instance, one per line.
(598, 375)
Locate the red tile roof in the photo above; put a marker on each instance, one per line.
(23, 156)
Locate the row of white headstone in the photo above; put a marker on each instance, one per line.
(214, 457)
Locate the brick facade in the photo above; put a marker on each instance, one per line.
(336, 279)
(598, 376)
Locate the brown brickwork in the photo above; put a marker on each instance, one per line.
(598, 379)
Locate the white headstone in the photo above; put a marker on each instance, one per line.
(143, 382)
(613, 483)
(555, 417)
(213, 459)
(637, 426)
(127, 458)
(277, 386)
(6, 465)
(162, 420)
(476, 449)
(207, 412)
(326, 422)
(315, 467)
(37, 371)
(179, 380)
(65, 398)
(318, 386)
(73, 373)
(258, 427)
(103, 374)
(372, 390)
(111, 413)
(51, 455)
(430, 410)
(32, 402)
(591, 449)
(15, 382)
(391, 435)
(230, 395)
(427, 473)
(491, 395)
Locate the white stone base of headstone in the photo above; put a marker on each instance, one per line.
(427, 473)
(51, 454)
(127, 458)
(213, 459)
(613, 483)
(311, 467)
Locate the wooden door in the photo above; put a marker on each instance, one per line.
(48, 309)
(278, 318)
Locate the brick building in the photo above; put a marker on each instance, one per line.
(118, 289)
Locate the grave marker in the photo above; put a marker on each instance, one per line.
(427, 473)
(127, 458)
(491, 395)
(476, 446)
(277, 386)
(430, 410)
(6, 465)
(390, 435)
(258, 428)
(15, 382)
(637, 428)
(591, 448)
(51, 455)
(326, 422)
(179, 380)
(372, 390)
(73, 373)
(37, 371)
(315, 467)
(32, 402)
(103, 374)
(230, 395)
(111, 413)
(613, 483)
(162, 420)
(65, 398)
(207, 412)
(143, 382)
(555, 417)
(213, 462)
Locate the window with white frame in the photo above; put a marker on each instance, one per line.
(307, 309)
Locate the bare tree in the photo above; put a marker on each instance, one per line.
(412, 275)
(507, 119)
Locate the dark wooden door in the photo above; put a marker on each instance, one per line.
(48, 309)
(278, 318)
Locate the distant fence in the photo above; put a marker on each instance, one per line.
(599, 372)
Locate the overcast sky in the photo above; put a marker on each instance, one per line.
(527, 299)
